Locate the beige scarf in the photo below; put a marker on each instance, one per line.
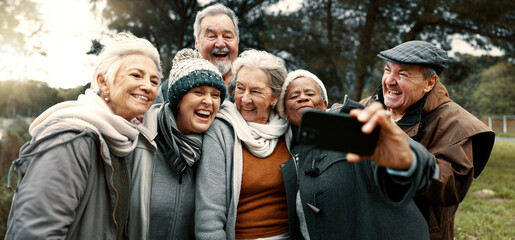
(121, 135)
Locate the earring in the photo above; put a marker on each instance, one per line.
(106, 93)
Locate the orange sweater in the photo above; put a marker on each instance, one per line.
(262, 210)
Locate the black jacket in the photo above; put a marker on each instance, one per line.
(343, 200)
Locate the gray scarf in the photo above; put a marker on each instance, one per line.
(180, 151)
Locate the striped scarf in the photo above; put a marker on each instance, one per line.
(180, 151)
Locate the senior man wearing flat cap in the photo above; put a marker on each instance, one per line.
(420, 104)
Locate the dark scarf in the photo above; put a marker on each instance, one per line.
(180, 151)
(413, 114)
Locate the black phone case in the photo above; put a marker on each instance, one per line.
(337, 132)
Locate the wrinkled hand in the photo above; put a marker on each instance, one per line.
(392, 150)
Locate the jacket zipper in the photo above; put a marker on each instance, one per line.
(148, 206)
(177, 205)
(112, 186)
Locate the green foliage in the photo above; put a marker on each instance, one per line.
(335, 39)
(478, 83)
(490, 217)
(508, 134)
(71, 93)
(30, 98)
(496, 92)
(339, 40)
(6, 197)
(16, 135)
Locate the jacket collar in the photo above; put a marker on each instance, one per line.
(413, 113)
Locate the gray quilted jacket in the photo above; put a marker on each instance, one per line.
(64, 190)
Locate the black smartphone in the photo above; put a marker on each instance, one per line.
(337, 132)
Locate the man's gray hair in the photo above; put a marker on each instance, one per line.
(428, 72)
(122, 45)
(273, 67)
(215, 10)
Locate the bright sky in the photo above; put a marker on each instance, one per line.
(70, 27)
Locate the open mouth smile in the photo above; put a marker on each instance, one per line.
(220, 53)
(394, 92)
(140, 97)
(203, 114)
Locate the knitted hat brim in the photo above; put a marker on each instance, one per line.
(292, 76)
(195, 79)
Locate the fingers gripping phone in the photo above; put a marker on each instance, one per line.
(337, 132)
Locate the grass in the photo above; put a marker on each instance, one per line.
(508, 134)
(493, 216)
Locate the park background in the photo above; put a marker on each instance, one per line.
(336, 39)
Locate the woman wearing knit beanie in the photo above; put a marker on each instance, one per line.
(340, 197)
(164, 163)
(307, 91)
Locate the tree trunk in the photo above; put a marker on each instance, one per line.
(364, 47)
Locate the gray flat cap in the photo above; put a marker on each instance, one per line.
(417, 53)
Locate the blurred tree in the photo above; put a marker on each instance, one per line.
(332, 39)
(71, 93)
(338, 40)
(496, 91)
(335, 39)
(6, 197)
(169, 24)
(17, 135)
(164, 23)
(27, 98)
(96, 47)
(464, 76)
(19, 21)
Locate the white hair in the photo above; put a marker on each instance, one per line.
(215, 10)
(122, 45)
(273, 67)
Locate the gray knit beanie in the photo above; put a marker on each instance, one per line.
(191, 70)
(292, 76)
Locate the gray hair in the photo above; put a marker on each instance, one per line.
(428, 72)
(123, 45)
(273, 67)
(215, 10)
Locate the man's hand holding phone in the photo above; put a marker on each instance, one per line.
(392, 149)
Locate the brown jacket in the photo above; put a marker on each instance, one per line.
(461, 144)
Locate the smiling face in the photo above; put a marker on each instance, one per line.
(134, 87)
(253, 96)
(403, 86)
(217, 42)
(197, 109)
(303, 93)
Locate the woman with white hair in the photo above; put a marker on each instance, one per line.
(73, 174)
(240, 192)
